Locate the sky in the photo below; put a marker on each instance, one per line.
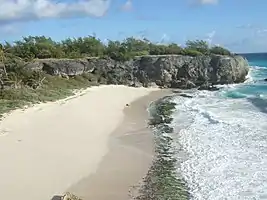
(239, 25)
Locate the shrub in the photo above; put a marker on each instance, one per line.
(220, 50)
(191, 52)
(198, 45)
(44, 47)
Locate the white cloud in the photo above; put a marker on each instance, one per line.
(262, 31)
(208, 1)
(202, 2)
(210, 37)
(211, 34)
(164, 39)
(128, 6)
(19, 10)
(257, 30)
(248, 44)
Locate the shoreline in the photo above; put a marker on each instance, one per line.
(51, 142)
(162, 180)
(131, 153)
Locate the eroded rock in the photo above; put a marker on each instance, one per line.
(175, 71)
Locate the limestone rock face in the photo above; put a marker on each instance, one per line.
(174, 71)
(69, 67)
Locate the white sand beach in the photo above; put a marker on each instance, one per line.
(48, 148)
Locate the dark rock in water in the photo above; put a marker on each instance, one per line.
(186, 95)
(182, 84)
(213, 88)
(176, 91)
(175, 71)
(208, 86)
(265, 79)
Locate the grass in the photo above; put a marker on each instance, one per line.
(53, 88)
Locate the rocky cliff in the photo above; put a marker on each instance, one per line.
(174, 71)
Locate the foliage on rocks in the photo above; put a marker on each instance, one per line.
(19, 84)
(33, 47)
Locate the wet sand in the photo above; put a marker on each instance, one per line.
(131, 149)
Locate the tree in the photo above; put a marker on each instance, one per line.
(157, 49)
(174, 49)
(2, 59)
(198, 45)
(220, 50)
(33, 47)
(87, 46)
(136, 46)
(191, 52)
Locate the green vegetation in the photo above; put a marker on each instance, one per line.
(220, 51)
(161, 181)
(20, 86)
(51, 89)
(44, 47)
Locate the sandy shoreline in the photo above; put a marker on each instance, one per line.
(50, 148)
(129, 157)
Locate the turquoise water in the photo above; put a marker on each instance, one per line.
(225, 136)
(255, 87)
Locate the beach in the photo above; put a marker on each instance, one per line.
(91, 144)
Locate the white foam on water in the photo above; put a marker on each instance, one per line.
(259, 68)
(226, 142)
(257, 72)
(249, 77)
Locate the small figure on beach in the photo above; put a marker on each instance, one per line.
(127, 105)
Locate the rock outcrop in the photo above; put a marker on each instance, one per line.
(175, 71)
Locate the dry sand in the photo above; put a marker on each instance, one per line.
(54, 147)
(129, 158)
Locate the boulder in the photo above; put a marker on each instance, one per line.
(208, 86)
(69, 196)
(185, 95)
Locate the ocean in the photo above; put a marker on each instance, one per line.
(224, 136)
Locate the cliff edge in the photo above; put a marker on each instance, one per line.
(172, 71)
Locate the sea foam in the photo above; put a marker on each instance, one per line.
(226, 143)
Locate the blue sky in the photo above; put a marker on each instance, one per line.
(236, 24)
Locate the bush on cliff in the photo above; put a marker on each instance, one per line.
(191, 52)
(220, 51)
(198, 46)
(157, 49)
(44, 47)
(19, 85)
